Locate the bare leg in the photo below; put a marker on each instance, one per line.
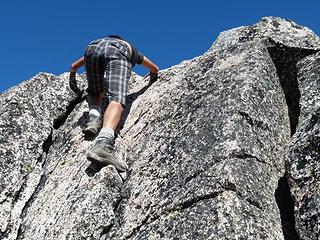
(112, 115)
(102, 152)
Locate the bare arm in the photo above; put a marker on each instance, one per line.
(150, 65)
(77, 64)
(72, 77)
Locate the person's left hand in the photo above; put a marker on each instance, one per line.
(73, 84)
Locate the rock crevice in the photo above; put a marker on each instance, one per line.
(285, 59)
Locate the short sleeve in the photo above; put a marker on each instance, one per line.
(136, 57)
(139, 57)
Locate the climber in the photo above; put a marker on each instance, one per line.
(115, 57)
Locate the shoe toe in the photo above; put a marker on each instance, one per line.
(105, 156)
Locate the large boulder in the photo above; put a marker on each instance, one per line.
(206, 147)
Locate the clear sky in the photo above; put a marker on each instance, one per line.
(47, 36)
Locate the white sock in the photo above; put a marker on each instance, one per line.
(107, 133)
(95, 110)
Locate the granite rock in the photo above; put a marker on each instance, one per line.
(206, 146)
(304, 154)
(27, 123)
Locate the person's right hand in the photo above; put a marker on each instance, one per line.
(73, 84)
(153, 76)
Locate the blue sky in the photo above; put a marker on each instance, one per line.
(47, 36)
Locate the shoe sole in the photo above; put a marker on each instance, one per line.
(94, 158)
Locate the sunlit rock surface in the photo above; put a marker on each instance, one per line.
(207, 146)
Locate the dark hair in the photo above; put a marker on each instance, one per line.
(115, 36)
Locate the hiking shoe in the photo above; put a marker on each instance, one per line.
(103, 153)
(93, 125)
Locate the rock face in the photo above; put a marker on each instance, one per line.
(208, 145)
(304, 154)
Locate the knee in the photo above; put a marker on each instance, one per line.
(116, 105)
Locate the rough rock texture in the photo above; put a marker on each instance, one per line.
(26, 128)
(304, 155)
(213, 158)
(206, 145)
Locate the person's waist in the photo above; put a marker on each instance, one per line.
(125, 43)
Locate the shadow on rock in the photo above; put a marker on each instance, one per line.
(83, 120)
(93, 168)
(130, 99)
